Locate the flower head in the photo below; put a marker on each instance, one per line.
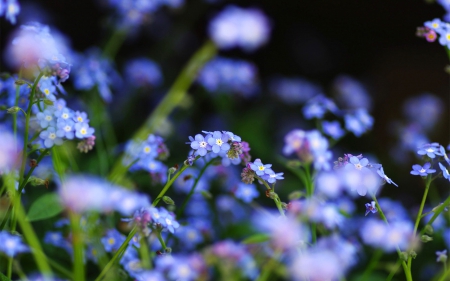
(11, 244)
(422, 171)
(430, 149)
(371, 207)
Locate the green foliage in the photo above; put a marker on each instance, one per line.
(45, 207)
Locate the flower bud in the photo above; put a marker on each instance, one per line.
(429, 229)
(20, 82)
(206, 194)
(403, 256)
(412, 254)
(34, 181)
(13, 110)
(48, 102)
(426, 238)
(172, 170)
(168, 200)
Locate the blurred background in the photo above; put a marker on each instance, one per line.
(372, 44)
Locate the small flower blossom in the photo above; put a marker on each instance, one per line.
(445, 172)
(333, 129)
(200, 145)
(50, 137)
(112, 240)
(430, 149)
(83, 130)
(246, 192)
(218, 142)
(422, 171)
(259, 168)
(380, 172)
(444, 154)
(441, 256)
(11, 245)
(371, 207)
(357, 163)
(272, 177)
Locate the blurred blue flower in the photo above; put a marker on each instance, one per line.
(239, 27)
(12, 244)
(294, 90)
(333, 129)
(359, 122)
(112, 240)
(430, 149)
(351, 93)
(229, 76)
(246, 192)
(143, 72)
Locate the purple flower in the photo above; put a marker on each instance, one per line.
(11, 245)
(383, 176)
(422, 171)
(200, 145)
(370, 207)
(430, 149)
(260, 168)
(219, 141)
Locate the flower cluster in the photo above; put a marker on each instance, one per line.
(224, 144)
(238, 27)
(156, 218)
(229, 76)
(261, 170)
(58, 122)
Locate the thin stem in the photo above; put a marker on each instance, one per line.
(419, 214)
(372, 264)
(16, 103)
(394, 270)
(444, 275)
(276, 199)
(269, 267)
(145, 256)
(78, 247)
(169, 183)
(161, 240)
(191, 192)
(117, 254)
(437, 212)
(114, 43)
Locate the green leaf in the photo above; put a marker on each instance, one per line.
(45, 207)
(256, 238)
(4, 278)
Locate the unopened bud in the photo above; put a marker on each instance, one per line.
(426, 238)
(284, 205)
(168, 250)
(172, 170)
(168, 200)
(296, 195)
(33, 163)
(20, 82)
(13, 110)
(34, 181)
(403, 256)
(429, 229)
(48, 102)
(206, 194)
(412, 254)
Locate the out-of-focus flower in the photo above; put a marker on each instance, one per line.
(429, 149)
(380, 172)
(9, 151)
(143, 72)
(441, 256)
(371, 207)
(359, 122)
(351, 93)
(246, 192)
(12, 244)
(333, 129)
(112, 240)
(238, 27)
(229, 76)
(294, 90)
(425, 110)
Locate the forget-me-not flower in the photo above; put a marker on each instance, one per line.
(422, 171)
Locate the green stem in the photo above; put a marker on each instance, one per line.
(269, 267)
(78, 247)
(276, 199)
(30, 172)
(394, 270)
(16, 103)
(404, 265)
(169, 183)
(419, 214)
(171, 100)
(161, 240)
(437, 212)
(144, 254)
(444, 275)
(114, 43)
(117, 254)
(191, 192)
(372, 264)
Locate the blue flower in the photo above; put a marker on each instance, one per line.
(112, 240)
(82, 130)
(383, 176)
(435, 24)
(12, 9)
(441, 256)
(238, 27)
(422, 171)
(168, 220)
(359, 122)
(12, 244)
(370, 207)
(200, 145)
(142, 72)
(430, 149)
(357, 163)
(219, 141)
(50, 137)
(351, 93)
(66, 129)
(190, 236)
(260, 168)
(46, 118)
(333, 129)
(294, 90)
(64, 113)
(444, 172)
(80, 117)
(444, 154)
(246, 192)
(272, 177)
